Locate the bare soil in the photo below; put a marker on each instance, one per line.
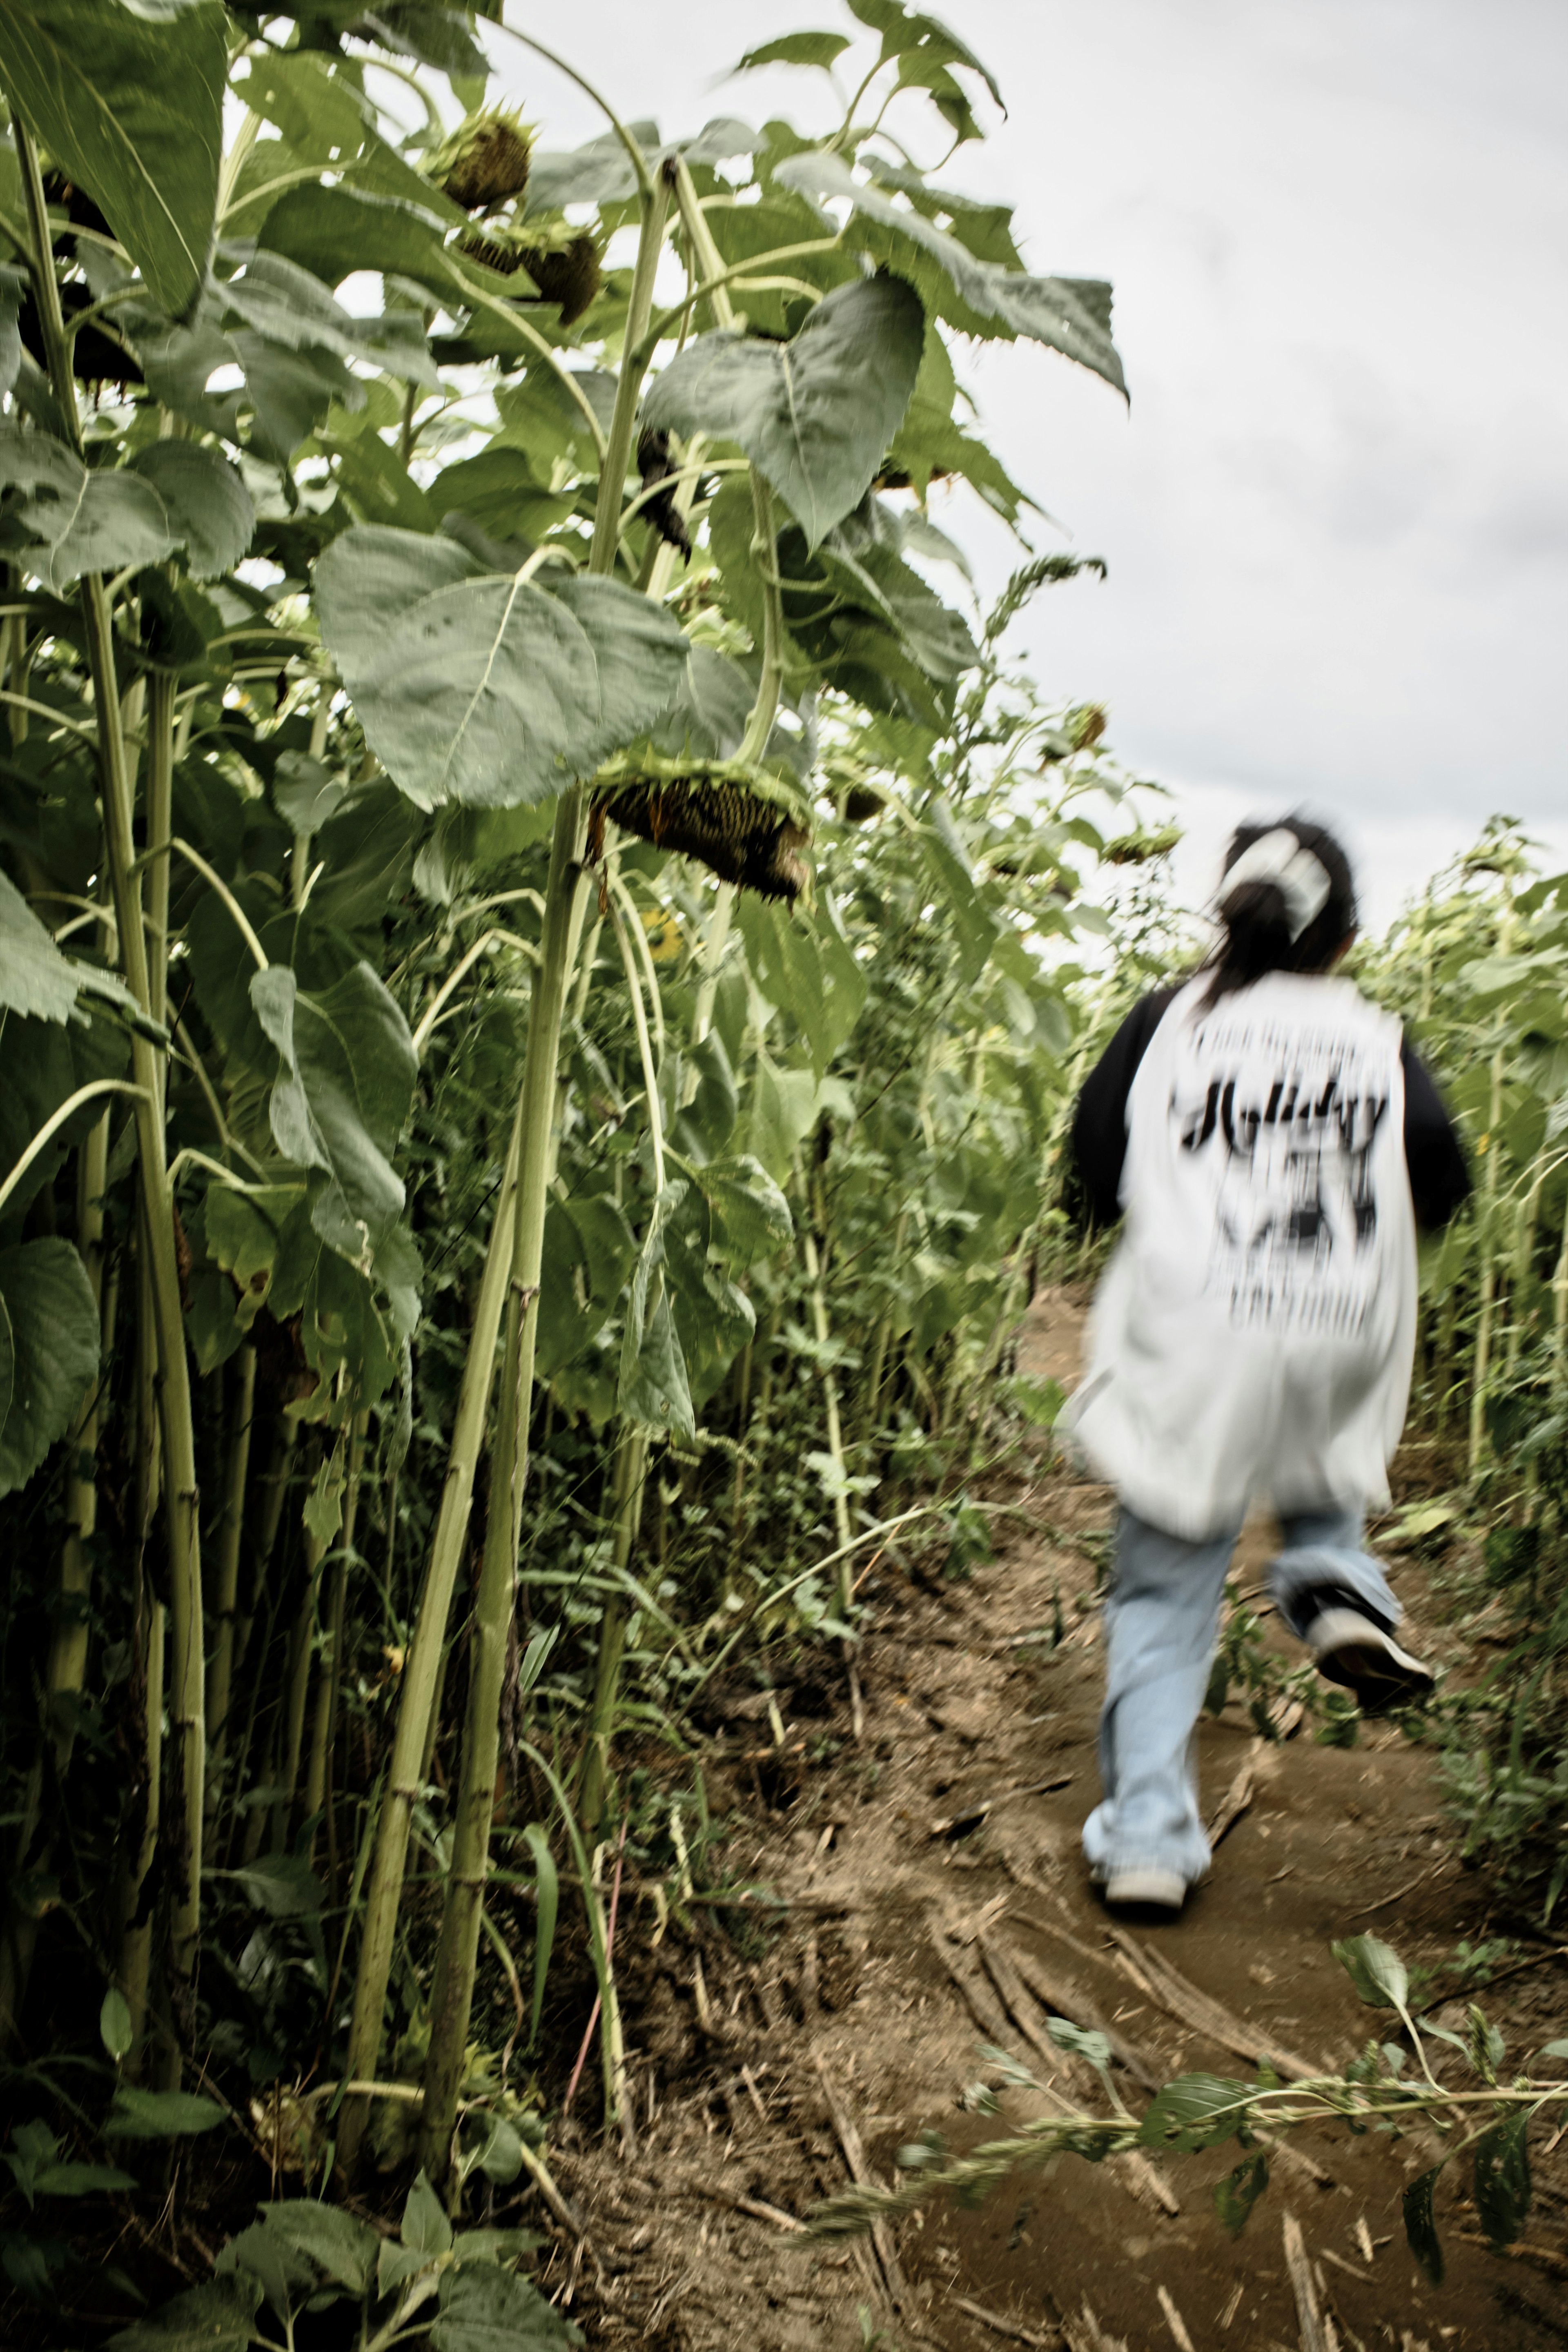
(927, 1863)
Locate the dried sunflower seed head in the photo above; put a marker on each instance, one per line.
(485, 160)
(742, 825)
(499, 248)
(567, 271)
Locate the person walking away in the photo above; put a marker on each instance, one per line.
(1271, 1143)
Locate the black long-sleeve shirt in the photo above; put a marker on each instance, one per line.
(1439, 1180)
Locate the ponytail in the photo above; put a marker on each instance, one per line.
(1287, 901)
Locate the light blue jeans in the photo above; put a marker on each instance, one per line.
(1162, 1623)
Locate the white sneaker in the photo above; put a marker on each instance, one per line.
(1146, 1890)
(1355, 1651)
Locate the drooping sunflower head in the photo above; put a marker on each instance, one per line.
(485, 161)
(742, 825)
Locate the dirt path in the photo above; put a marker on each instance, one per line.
(904, 1950)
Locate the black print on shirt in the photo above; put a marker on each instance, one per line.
(1295, 1202)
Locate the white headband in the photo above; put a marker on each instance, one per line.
(1296, 873)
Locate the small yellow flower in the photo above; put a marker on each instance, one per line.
(664, 937)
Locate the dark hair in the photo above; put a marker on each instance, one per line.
(1254, 921)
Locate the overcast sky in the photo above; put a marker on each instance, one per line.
(1336, 515)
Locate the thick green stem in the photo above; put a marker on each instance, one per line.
(67, 1657)
(136, 1948)
(453, 1988)
(630, 1486)
(160, 702)
(235, 162)
(1487, 1220)
(149, 1645)
(707, 261)
(317, 1775)
(623, 419)
(644, 1048)
(1480, 1367)
(519, 1226)
(16, 658)
(299, 863)
(814, 1273)
(275, 1489)
(231, 1529)
(1444, 1356)
(67, 1670)
(764, 548)
(186, 1693)
(423, 1667)
(631, 1459)
(301, 1646)
(457, 1953)
(713, 947)
(884, 1338)
(1523, 1271)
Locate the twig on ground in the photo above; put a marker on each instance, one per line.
(810, 2006)
(1237, 1797)
(1135, 2171)
(1141, 2180)
(972, 1816)
(540, 2174)
(859, 2172)
(1315, 2335)
(825, 1901)
(1298, 2156)
(823, 1843)
(1025, 2010)
(1399, 1893)
(1543, 2257)
(1066, 2000)
(1165, 1985)
(983, 2005)
(768, 2002)
(1174, 2322)
(1051, 1928)
(1010, 2329)
(671, 2294)
(1085, 2334)
(754, 2205)
(593, 2013)
(701, 2001)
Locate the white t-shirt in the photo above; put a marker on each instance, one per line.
(1254, 1332)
